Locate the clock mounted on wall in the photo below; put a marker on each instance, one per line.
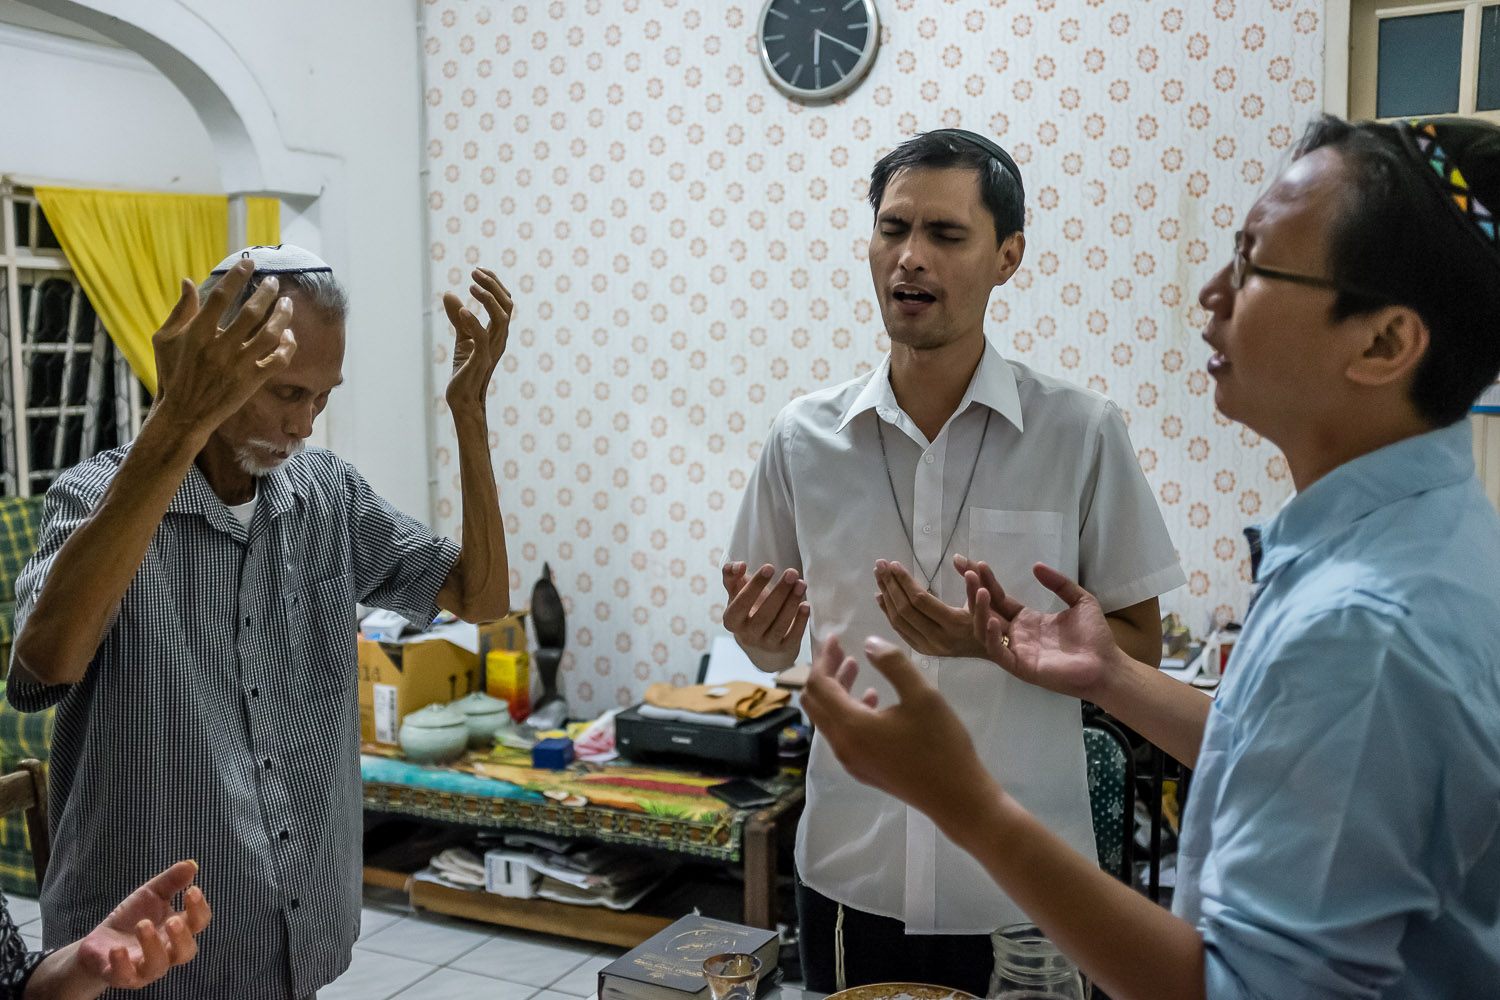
(818, 50)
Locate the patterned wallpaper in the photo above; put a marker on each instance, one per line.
(688, 251)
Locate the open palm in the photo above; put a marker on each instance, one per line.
(145, 936)
(1070, 652)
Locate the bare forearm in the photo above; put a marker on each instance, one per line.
(1143, 644)
(478, 587)
(90, 574)
(60, 978)
(1133, 948)
(1165, 711)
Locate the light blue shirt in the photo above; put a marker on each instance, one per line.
(1342, 838)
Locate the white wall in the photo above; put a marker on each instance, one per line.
(90, 114)
(336, 84)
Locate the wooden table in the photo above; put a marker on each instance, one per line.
(748, 839)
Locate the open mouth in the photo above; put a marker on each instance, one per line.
(909, 296)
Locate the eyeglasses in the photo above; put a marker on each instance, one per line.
(1241, 268)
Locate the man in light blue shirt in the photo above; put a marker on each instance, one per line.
(1343, 836)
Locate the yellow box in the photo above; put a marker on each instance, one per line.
(507, 676)
(397, 678)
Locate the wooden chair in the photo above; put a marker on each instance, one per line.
(27, 789)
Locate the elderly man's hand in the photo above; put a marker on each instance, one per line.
(917, 750)
(206, 372)
(927, 624)
(477, 349)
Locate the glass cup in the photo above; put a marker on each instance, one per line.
(1028, 966)
(732, 976)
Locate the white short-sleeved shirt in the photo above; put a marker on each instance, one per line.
(1058, 482)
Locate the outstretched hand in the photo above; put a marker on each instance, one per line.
(917, 750)
(922, 620)
(206, 372)
(145, 937)
(1072, 652)
(769, 621)
(477, 348)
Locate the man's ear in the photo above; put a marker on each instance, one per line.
(1008, 257)
(1393, 341)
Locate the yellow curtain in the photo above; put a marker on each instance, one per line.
(263, 222)
(131, 250)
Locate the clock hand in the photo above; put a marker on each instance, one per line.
(839, 41)
(817, 36)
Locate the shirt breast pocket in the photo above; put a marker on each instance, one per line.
(1012, 541)
(323, 625)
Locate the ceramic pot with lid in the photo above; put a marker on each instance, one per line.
(483, 715)
(434, 735)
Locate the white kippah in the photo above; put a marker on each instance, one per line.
(282, 259)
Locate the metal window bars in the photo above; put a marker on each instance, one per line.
(72, 394)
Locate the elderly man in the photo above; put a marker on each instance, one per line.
(190, 612)
(1343, 835)
(946, 447)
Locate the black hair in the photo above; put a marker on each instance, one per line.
(943, 150)
(1396, 233)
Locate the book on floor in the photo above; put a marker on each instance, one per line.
(669, 964)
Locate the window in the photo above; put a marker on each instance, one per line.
(1424, 58)
(65, 393)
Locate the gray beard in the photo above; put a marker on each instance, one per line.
(251, 467)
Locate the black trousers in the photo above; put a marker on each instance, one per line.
(878, 950)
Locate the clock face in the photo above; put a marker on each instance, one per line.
(818, 50)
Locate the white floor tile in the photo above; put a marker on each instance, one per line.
(372, 921)
(22, 910)
(584, 980)
(373, 976)
(451, 984)
(552, 995)
(33, 941)
(425, 938)
(538, 959)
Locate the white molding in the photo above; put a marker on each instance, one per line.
(1336, 28)
(47, 43)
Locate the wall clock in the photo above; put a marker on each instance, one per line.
(818, 50)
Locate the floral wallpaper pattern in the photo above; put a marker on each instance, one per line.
(687, 250)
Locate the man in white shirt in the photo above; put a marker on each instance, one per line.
(861, 495)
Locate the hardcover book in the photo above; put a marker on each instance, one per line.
(669, 964)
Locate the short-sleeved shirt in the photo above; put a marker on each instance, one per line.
(1342, 838)
(1056, 482)
(219, 718)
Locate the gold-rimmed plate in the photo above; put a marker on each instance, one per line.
(902, 991)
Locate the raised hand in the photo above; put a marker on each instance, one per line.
(771, 622)
(145, 937)
(477, 349)
(206, 372)
(1072, 652)
(917, 750)
(926, 624)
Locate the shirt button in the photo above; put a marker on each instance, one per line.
(285, 834)
(247, 621)
(267, 762)
(255, 692)
(926, 529)
(295, 904)
(929, 458)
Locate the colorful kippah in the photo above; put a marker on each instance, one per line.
(990, 147)
(1462, 158)
(281, 259)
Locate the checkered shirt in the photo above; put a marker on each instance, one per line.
(219, 719)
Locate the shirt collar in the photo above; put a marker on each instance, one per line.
(277, 494)
(993, 385)
(1413, 465)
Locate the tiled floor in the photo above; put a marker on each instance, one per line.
(410, 955)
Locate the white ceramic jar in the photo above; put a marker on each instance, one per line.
(434, 735)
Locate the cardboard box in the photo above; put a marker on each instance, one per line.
(442, 665)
